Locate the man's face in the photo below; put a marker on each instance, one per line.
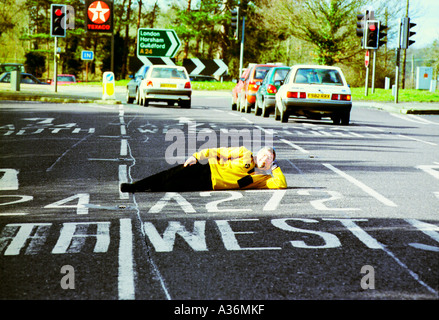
(264, 159)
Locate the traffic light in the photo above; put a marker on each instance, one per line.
(371, 36)
(361, 24)
(382, 34)
(57, 20)
(235, 21)
(406, 33)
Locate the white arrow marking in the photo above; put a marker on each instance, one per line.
(145, 60)
(174, 43)
(168, 61)
(199, 66)
(9, 179)
(222, 67)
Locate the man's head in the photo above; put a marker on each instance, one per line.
(265, 158)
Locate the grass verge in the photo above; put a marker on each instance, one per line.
(406, 95)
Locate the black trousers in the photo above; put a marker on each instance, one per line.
(191, 178)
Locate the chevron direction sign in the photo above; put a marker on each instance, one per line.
(156, 43)
(157, 60)
(207, 67)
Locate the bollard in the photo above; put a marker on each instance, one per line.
(15, 79)
(108, 86)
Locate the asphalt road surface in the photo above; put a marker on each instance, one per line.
(359, 219)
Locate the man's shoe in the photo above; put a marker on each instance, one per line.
(127, 187)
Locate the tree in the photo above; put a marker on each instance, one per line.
(326, 24)
(35, 63)
(201, 30)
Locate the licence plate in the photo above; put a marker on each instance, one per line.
(318, 96)
(168, 85)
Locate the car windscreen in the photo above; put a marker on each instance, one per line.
(261, 72)
(318, 76)
(280, 74)
(168, 73)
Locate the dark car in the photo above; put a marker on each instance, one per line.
(202, 78)
(132, 95)
(26, 78)
(5, 67)
(266, 95)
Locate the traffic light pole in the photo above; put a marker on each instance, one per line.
(397, 74)
(366, 85)
(241, 55)
(373, 70)
(55, 66)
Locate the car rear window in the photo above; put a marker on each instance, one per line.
(66, 78)
(168, 73)
(260, 72)
(318, 76)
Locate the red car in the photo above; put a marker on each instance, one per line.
(236, 92)
(64, 79)
(251, 79)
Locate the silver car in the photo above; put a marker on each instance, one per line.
(163, 83)
(314, 92)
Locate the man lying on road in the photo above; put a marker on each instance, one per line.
(217, 169)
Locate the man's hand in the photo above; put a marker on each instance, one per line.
(274, 165)
(190, 161)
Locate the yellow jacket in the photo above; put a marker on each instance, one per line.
(234, 168)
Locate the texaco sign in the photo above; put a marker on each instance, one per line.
(99, 15)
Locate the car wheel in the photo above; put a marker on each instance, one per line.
(247, 106)
(241, 105)
(284, 115)
(265, 111)
(233, 105)
(276, 112)
(336, 119)
(186, 104)
(128, 99)
(137, 99)
(258, 111)
(345, 118)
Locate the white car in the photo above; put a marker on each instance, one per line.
(165, 83)
(314, 92)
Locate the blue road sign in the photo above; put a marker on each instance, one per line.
(87, 55)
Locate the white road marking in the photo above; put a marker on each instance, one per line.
(22, 236)
(123, 178)
(70, 242)
(126, 269)
(123, 147)
(413, 118)
(9, 180)
(294, 146)
(66, 152)
(419, 140)
(362, 186)
(430, 169)
(155, 270)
